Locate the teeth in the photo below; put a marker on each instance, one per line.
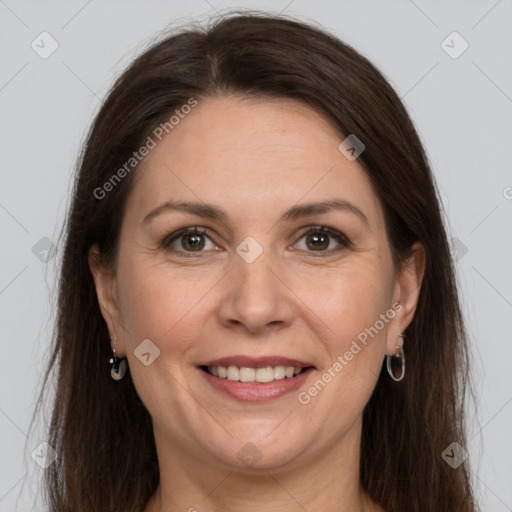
(233, 373)
(245, 374)
(264, 374)
(279, 372)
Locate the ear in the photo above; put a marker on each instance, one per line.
(106, 291)
(406, 293)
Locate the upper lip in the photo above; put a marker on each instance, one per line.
(257, 362)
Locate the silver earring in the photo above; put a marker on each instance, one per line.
(117, 366)
(399, 354)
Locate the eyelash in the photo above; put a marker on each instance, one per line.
(333, 233)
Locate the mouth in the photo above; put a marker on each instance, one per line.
(260, 370)
(261, 375)
(256, 379)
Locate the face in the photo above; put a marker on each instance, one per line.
(256, 280)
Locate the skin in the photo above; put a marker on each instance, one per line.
(255, 159)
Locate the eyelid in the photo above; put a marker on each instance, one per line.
(342, 239)
(170, 238)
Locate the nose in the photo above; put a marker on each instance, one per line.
(257, 299)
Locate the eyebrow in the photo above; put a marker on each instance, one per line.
(210, 211)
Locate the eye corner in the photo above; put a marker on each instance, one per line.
(342, 239)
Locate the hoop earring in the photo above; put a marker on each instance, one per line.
(117, 366)
(399, 354)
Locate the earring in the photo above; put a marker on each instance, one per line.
(399, 354)
(117, 366)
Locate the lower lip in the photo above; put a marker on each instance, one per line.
(256, 391)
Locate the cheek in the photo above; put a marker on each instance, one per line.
(350, 302)
(146, 305)
(163, 306)
(167, 305)
(354, 336)
(347, 300)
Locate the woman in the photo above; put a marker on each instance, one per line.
(255, 246)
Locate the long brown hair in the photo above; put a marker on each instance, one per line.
(100, 428)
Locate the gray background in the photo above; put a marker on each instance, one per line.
(462, 107)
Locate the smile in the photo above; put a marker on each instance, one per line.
(254, 384)
(246, 374)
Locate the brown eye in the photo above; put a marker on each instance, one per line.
(188, 240)
(193, 242)
(320, 239)
(317, 241)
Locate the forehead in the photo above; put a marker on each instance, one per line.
(251, 157)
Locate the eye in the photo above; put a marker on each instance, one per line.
(193, 239)
(319, 238)
(188, 240)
